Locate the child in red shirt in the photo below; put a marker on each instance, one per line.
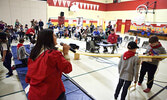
(112, 38)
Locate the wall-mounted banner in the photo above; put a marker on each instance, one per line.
(84, 5)
(87, 6)
(97, 7)
(68, 3)
(70, 21)
(81, 5)
(64, 3)
(91, 6)
(55, 1)
(87, 21)
(79, 21)
(94, 7)
(59, 1)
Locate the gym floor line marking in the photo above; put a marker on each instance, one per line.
(11, 93)
(90, 72)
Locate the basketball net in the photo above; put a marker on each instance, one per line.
(142, 9)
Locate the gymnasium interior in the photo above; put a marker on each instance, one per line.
(94, 73)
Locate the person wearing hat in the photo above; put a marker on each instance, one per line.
(128, 68)
(154, 48)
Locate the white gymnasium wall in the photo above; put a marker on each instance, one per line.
(54, 12)
(23, 10)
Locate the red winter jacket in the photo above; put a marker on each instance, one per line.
(30, 31)
(44, 75)
(112, 38)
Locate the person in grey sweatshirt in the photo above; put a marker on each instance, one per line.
(128, 69)
(154, 48)
(21, 54)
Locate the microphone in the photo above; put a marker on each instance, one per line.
(71, 49)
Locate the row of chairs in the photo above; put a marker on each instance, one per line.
(144, 44)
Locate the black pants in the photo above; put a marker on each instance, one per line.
(62, 96)
(7, 62)
(30, 36)
(21, 34)
(125, 85)
(150, 69)
(24, 63)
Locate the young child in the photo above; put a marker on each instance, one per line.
(112, 38)
(155, 48)
(6, 54)
(21, 54)
(127, 68)
(32, 44)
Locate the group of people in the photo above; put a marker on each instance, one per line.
(46, 64)
(129, 65)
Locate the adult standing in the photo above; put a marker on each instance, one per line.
(41, 24)
(91, 27)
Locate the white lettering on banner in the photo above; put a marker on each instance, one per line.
(87, 6)
(91, 6)
(55, 1)
(59, 1)
(84, 5)
(64, 3)
(94, 7)
(97, 7)
(68, 3)
(81, 5)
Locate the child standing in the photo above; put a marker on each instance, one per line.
(127, 68)
(6, 54)
(21, 54)
(154, 48)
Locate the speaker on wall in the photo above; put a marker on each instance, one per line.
(115, 1)
(61, 13)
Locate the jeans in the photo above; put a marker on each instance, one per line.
(125, 84)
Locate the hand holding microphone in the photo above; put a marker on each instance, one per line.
(66, 48)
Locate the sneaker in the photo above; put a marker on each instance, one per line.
(9, 75)
(13, 67)
(147, 90)
(139, 84)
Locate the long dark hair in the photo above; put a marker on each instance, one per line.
(44, 40)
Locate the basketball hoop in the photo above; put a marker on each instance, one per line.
(142, 9)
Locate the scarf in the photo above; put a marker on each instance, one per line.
(152, 52)
(19, 45)
(128, 54)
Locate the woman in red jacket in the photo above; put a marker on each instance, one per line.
(45, 67)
